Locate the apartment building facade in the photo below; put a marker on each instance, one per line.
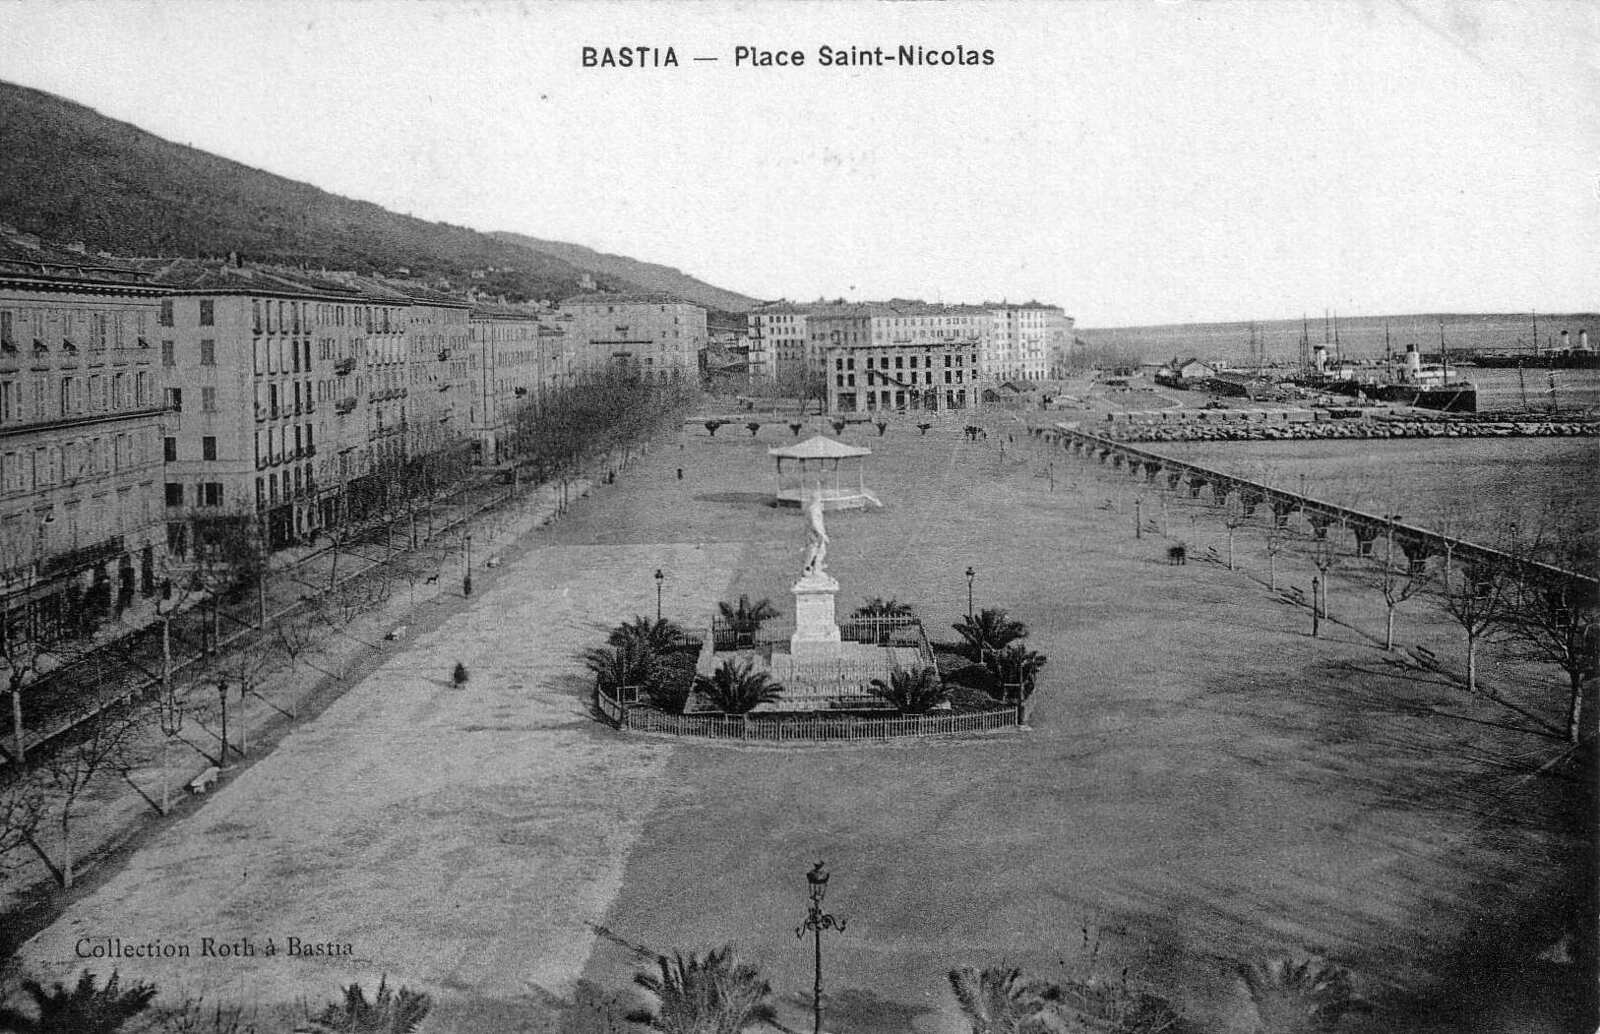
(260, 369)
(905, 377)
(1026, 342)
(510, 349)
(659, 336)
(779, 341)
(81, 539)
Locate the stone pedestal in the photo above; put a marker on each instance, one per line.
(816, 633)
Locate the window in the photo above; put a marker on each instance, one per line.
(208, 314)
(169, 450)
(141, 389)
(174, 494)
(213, 493)
(255, 314)
(208, 352)
(208, 399)
(165, 319)
(208, 447)
(175, 399)
(168, 357)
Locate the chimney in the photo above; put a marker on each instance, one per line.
(1583, 339)
(1413, 362)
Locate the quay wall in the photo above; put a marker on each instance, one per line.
(1291, 427)
(1276, 504)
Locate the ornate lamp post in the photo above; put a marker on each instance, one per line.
(466, 572)
(817, 921)
(971, 574)
(659, 579)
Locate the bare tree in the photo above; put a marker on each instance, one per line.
(1398, 583)
(21, 812)
(98, 742)
(1556, 618)
(1474, 593)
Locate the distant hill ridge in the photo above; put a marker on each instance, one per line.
(1359, 336)
(647, 274)
(68, 173)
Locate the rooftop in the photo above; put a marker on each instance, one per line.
(819, 447)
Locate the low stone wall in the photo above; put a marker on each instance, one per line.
(811, 730)
(1242, 432)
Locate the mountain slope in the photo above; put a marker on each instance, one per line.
(648, 274)
(68, 173)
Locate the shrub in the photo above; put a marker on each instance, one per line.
(386, 1013)
(85, 1009)
(988, 630)
(704, 994)
(911, 692)
(738, 688)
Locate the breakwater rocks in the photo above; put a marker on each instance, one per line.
(1255, 432)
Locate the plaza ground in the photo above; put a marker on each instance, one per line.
(1203, 784)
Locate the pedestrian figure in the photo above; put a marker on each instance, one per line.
(680, 473)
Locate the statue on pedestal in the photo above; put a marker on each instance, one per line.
(817, 538)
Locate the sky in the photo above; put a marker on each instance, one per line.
(1134, 162)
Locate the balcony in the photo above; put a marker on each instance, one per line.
(344, 366)
(444, 355)
(345, 405)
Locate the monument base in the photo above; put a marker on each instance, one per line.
(816, 633)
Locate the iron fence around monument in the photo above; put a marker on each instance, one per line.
(808, 729)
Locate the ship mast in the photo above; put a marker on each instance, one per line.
(1536, 336)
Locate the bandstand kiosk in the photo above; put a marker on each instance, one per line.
(822, 465)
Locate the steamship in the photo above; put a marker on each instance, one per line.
(1415, 383)
(1564, 358)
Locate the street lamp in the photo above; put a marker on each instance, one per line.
(466, 573)
(222, 695)
(971, 574)
(659, 579)
(817, 921)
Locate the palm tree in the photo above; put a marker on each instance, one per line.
(746, 618)
(658, 635)
(704, 994)
(911, 692)
(1017, 665)
(630, 663)
(738, 688)
(1299, 997)
(878, 607)
(387, 1013)
(989, 630)
(85, 1009)
(997, 1000)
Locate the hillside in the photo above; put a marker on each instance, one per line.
(648, 274)
(68, 173)
(1360, 336)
